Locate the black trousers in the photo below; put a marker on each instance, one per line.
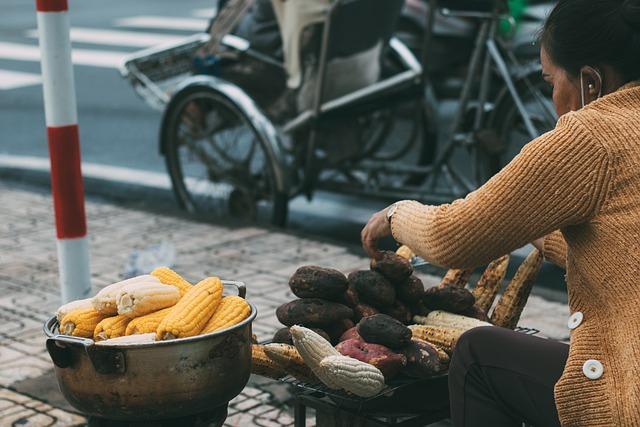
(499, 377)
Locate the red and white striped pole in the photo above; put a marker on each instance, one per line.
(64, 148)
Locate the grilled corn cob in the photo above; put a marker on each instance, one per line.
(73, 305)
(288, 358)
(105, 300)
(193, 311)
(111, 327)
(138, 299)
(449, 320)
(147, 323)
(405, 252)
(170, 277)
(456, 278)
(313, 348)
(510, 306)
(359, 378)
(261, 364)
(490, 283)
(81, 322)
(130, 340)
(441, 336)
(231, 311)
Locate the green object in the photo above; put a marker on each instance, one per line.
(516, 8)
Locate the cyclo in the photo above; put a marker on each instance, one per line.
(224, 147)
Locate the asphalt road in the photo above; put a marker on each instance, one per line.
(116, 127)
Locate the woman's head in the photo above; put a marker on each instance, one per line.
(590, 48)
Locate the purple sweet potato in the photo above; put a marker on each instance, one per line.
(411, 290)
(363, 310)
(400, 312)
(373, 288)
(476, 312)
(311, 281)
(384, 330)
(351, 334)
(283, 336)
(393, 267)
(448, 298)
(312, 312)
(379, 356)
(423, 359)
(350, 297)
(335, 330)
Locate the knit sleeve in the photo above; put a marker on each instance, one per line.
(555, 249)
(559, 179)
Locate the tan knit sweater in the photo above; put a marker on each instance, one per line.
(582, 178)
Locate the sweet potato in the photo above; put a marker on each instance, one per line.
(448, 298)
(350, 297)
(283, 336)
(335, 330)
(351, 334)
(318, 282)
(312, 312)
(419, 308)
(384, 330)
(423, 360)
(410, 290)
(363, 310)
(373, 288)
(475, 312)
(393, 267)
(377, 355)
(400, 312)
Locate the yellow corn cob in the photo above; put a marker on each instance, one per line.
(313, 348)
(231, 311)
(193, 311)
(73, 305)
(510, 305)
(170, 277)
(81, 322)
(139, 299)
(111, 327)
(147, 323)
(490, 283)
(405, 252)
(288, 358)
(457, 278)
(261, 364)
(105, 300)
(449, 320)
(130, 340)
(441, 336)
(354, 376)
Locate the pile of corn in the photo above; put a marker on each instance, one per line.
(158, 306)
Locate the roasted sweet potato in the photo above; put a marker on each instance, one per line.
(377, 355)
(363, 310)
(423, 360)
(448, 298)
(475, 312)
(373, 288)
(351, 334)
(393, 267)
(312, 312)
(335, 330)
(318, 282)
(283, 336)
(400, 312)
(385, 330)
(419, 308)
(411, 290)
(350, 297)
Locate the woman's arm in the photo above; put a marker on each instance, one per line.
(554, 249)
(558, 179)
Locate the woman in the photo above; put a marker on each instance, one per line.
(578, 185)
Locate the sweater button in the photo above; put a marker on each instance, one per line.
(592, 369)
(575, 320)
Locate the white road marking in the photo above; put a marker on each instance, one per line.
(204, 13)
(164, 22)
(95, 58)
(16, 79)
(116, 38)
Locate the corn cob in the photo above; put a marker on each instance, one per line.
(449, 320)
(111, 327)
(313, 348)
(73, 305)
(193, 311)
(81, 322)
(405, 252)
(130, 340)
(261, 364)
(170, 277)
(231, 311)
(352, 375)
(510, 306)
(456, 278)
(147, 323)
(105, 300)
(441, 336)
(490, 283)
(443, 357)
(288, 358)
(138, 299)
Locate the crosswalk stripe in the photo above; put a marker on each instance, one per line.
(164, 22)
(116, 38)
(96, 58)
(16, 79)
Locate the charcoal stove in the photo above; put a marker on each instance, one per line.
(213, 418)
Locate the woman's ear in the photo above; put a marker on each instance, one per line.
(591, 80)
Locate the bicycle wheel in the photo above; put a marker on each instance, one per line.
(218, 161)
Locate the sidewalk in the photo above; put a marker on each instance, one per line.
(262, 258)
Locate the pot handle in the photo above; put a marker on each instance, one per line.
(240, 287)
(61, 354)
(105, 360)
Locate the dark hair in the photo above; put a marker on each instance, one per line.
(595, 32)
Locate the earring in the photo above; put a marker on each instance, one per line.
(591, 86)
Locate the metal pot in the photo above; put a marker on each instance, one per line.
(158, 380)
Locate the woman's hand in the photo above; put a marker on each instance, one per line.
(377, 228)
